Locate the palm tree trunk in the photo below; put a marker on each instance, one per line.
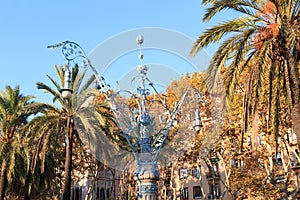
(296, 115)
(296, 104)
(3, 181)
(68, 162)
(28, 184)
(293, 87)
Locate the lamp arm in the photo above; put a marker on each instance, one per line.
(130, 144)
(168, 125)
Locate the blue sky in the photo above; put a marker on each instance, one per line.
(29, 26)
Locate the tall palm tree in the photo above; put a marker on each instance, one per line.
(262, 46)
(15, 108)
(57, 120)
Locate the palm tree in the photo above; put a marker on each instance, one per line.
(261, 47)
(15, 108)
(57, 121)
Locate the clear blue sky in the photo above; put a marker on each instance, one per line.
(29, 26)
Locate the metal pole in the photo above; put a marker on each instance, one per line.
(146, 173)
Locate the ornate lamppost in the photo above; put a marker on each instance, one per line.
(147, 152)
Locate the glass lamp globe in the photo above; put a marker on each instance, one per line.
(66, 93)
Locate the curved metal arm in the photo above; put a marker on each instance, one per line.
(159, 140)
(71, 51)
(163, 134)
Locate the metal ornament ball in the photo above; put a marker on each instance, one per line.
(139, 39)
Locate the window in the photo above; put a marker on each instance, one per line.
(196, 172)
(278, 159)
(197, 193)
(214, 171)
(185, 193)
(295, 161)
(298, 176)
(102, 194)
(211, 188)
(107, 193)
(217, 190)
(259, 140)
(126, 195)
(214, 190)
(98, 193)
(77, 193)
(183, 173)
(215, 167)
(238, 163)
(168, 170)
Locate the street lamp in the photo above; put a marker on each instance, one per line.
(66, 92)
(147, 149)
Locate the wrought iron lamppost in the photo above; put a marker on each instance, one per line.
(147, 152)
(66, 94)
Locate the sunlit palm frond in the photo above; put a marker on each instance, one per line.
(216, 33)
(204, 2)
(227, 49)
(78, 81)
(60, 72)
(48, 89)
(247, 8)
(74, 74)
(88, 84)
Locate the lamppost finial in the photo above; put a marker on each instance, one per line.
(139, 39)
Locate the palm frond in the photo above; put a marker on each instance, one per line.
(204, 2)
(84, 99)
(74, 74)
(216, 33)
(44, 148)
(247, 8)
(242, 47)
(47, 89)
(296, 7)
(228, 48)
(58, 87)
(77, 83)
(11, 165)
(88, 83)
(60, 72)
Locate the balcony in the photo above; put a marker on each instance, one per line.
(212, 175)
